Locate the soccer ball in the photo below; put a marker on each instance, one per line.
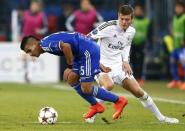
(47, 115)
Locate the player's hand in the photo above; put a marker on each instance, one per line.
(105, 69)
(127, 68)
(66, 74)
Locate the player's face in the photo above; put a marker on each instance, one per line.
(124, 21)
(85, 5)
(35, 7)
(32, 48)
(138, 11)
(179, 9)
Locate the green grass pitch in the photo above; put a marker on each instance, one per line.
(20, 104)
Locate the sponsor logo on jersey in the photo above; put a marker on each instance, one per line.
(119, 46)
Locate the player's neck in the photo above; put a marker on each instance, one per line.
(121, 28)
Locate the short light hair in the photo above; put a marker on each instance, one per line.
(126, 10)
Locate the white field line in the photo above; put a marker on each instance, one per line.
(157, 99)
(57, 86)
(60, 122)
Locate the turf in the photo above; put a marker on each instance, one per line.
(20, 103)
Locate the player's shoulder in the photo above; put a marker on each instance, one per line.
(107, 24)
(131, 29)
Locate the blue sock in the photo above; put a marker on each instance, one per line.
(184, 71)
(174, 70)
(104, 94)
(89, 98)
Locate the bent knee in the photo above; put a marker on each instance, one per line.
(108, 86)
(73, 78)
(106, 82)
(86, 88)
(138, 93)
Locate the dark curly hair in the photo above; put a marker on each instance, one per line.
(25, 41)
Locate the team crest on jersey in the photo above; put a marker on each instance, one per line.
(120, 44)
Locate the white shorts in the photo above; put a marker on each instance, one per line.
(118, 75)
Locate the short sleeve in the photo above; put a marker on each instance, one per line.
(101, 31)
(51, 46)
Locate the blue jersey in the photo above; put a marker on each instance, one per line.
(86, 52)
(77, 41)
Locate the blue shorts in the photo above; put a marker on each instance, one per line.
(87, 64)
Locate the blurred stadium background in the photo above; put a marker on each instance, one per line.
(26, 99)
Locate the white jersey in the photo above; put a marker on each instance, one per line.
(114, 42)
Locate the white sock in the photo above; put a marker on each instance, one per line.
(148, 103)
(100, 101)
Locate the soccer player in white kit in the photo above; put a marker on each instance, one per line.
(115, 38)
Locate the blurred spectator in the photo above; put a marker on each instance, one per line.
(84, 19)
(167, 44)
(179, 24)
(34, 20)
(177, 62)
(177, 58)
(141, 24)
(67, 10)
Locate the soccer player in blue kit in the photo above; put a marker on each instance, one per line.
(82, 55)
(176, 58)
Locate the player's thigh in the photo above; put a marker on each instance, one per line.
(132, 86)
(105, 81)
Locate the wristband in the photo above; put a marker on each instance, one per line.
(70, 66)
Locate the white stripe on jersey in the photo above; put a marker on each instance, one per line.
(50, 47)
(88, 63)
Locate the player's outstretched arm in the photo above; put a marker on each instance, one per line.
(66, 49)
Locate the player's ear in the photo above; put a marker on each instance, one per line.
(132, 19)
(118, 14)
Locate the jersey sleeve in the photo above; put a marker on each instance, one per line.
(51, 46)
(126, 51)
(101, 31)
